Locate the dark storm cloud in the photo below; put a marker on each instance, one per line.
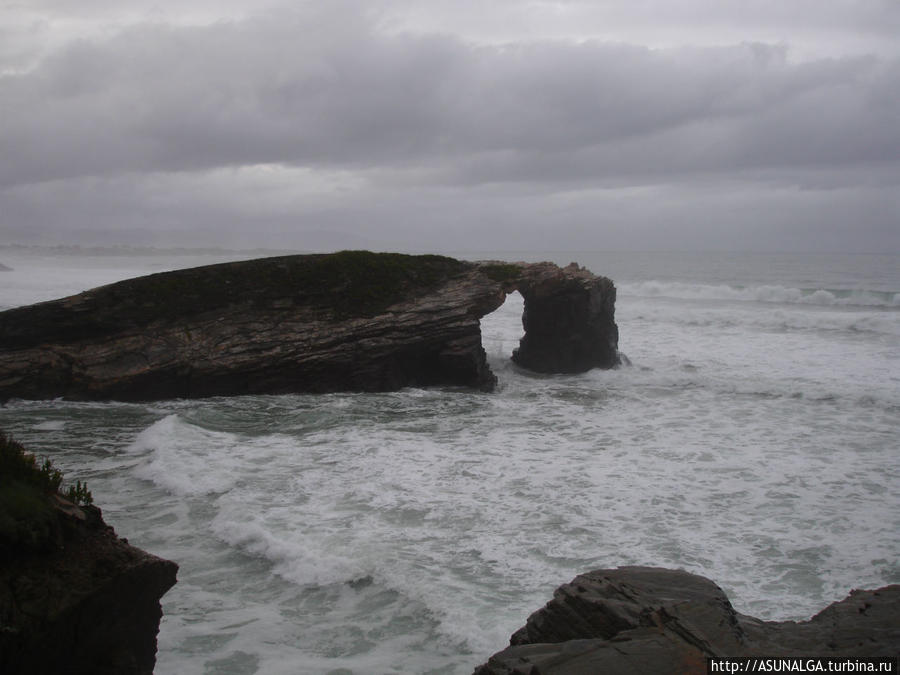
(321, 90)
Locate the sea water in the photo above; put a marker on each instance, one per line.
(754, 439)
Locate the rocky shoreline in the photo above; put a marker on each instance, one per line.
(655, 620)
(76, 598)
(348, 321)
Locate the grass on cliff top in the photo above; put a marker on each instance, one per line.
(347, 283)
(27, 517)
(502, 272)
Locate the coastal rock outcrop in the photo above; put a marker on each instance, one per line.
(652, 620)
(568, 320)
(349, 321)
(74, 598)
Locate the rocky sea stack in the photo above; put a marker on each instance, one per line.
(661, 621)
(348, 321)
(74, 598)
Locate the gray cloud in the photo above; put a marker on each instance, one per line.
(322, 119)
(263, 91)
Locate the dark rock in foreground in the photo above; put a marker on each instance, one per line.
(651, 620)
(4, 268)
(349, 321)
(74, 598)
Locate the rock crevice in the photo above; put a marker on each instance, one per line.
(350, 321)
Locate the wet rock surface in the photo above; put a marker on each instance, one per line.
(350, 321)
(652, 620)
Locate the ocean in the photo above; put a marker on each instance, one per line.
(753, 438)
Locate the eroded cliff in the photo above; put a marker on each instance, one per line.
(349, 321)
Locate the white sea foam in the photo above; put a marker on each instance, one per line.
(50, 425)
(187, 459)
(764, 293)
(809, 320)
(753, 440)
(296, 559)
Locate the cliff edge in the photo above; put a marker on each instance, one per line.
(74, 598)
(348, 321)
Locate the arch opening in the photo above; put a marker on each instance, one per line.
(501, 329)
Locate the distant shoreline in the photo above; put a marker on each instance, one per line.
(120, 250)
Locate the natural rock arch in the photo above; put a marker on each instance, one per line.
(348, 321)
(568, 318)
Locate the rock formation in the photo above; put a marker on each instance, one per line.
(651, 620)
(568, 320)
(352, 321)
(74, 598)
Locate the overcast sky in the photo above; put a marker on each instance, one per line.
(456, 125)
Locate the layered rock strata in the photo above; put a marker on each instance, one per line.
(85, 603)
(350, 321)
(651, 620)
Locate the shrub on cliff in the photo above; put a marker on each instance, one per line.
(27, 515)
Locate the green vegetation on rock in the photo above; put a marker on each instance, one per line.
(27, 514)
(502, 271)
(348, 283)
(18, 465)
(362, 283)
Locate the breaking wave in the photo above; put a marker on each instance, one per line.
(180, 457)
(826, 297)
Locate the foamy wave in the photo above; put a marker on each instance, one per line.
(184, 458)
(50, 425)
(776, 294)
(778, 319)
(302, 563)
